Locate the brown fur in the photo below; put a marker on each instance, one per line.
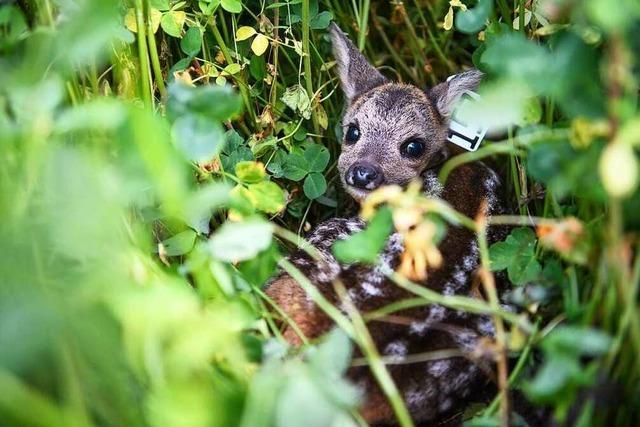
(387, 115)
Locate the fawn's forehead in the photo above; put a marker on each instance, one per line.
(403, 106)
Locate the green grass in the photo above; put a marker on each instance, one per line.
(140, 216)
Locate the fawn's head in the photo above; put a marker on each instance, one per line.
(392, 132)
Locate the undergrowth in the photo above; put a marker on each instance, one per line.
(158, 158)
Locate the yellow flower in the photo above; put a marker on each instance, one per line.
(420, 251)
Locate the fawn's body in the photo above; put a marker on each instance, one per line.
(395, 133)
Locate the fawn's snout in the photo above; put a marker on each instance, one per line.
(364, 176)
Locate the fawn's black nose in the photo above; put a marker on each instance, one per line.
(364, 175)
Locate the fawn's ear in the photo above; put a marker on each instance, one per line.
(356, 75)
(446, 94)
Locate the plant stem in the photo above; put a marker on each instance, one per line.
(433, 39)
(325, 305)
(470, 305)
(488, 281)
(363, 24)
(143, 55)
(307, 64)
(376, 364)
(153, 53)
(242, 86)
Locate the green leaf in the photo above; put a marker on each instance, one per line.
(365, 245)
(517, 255)
(314, 185)
(201, 204)
(233, 6)
(180, 244)
(216, 103)
(267, 196)
(321, 20)
(197, 137)
(473, 20)
(552, 378)
(172, 22)
(239, 241)
(513, 56)
(159, 4)
(191, 42)
(565, 170)
(303, 403)
(233, 68)
(295, 167)
(250, 171)
(333, 355)
(317, 156)
(577, 341)
(13, 26)
(276, 165)
(296, 98)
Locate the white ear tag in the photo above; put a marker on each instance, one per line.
(464, 135)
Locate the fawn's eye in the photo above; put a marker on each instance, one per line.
(413, 148)
(352, 135)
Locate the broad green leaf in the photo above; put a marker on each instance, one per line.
(244, 33)
(260, 147)
(156, 17)
(13, 26)
(276, 164)
(303, 403)
(201, 204)
(179, 244)
(576, 341)
(102, 113)
(250, 171)
(130, 20)
(208, 6)
(314, 185)
(565, 170)
(296, 98)
(212, 102)
(552, 378)
(267, 196)
(317, 156)
(321, 20)
(295, 167)
(517, 255)
(191, 42)
(199, 138)
(172, 22)
(233, 6)
(239, 241)
(233, 68)
(333, 355)
(613, 15)
(365, 245)
(502, 104)
(159, 4)
(221, 80)
(260, 44)
(471, 21)
(513, 56)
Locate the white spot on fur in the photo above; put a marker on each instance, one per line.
(445, 405)
(396, 348)
(431, 184)
(439, 368)
(371, 289)
(436, 314)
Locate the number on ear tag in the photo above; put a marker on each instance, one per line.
(464, 135)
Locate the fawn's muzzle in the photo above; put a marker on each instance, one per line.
(364, 175)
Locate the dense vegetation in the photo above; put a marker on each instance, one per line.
(157, 158)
